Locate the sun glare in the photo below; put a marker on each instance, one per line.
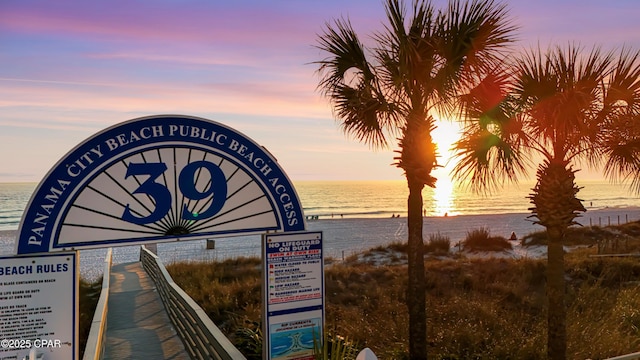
(444, 136)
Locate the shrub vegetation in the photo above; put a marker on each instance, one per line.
(481, 240)
(438, 244)
(476, 308)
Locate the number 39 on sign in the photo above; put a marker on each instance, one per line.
(216, 192)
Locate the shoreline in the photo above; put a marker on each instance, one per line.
(342, 236)
(519, 220)
(599, 216)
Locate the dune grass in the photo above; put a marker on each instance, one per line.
(438, 244)
(613, 239)
(481, 240)
(481, 309)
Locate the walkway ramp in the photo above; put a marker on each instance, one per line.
(137, 325)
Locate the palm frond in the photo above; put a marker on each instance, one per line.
(561, 92)
(492, 151)
(487, 160)
(359, 108)
(624, 83)
(473, 38)
(620, 134)
(622, 151)
(477, 31)
(406, 56)
(345, 52)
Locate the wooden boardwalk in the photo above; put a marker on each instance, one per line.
(137, 325)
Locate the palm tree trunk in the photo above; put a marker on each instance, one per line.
(416, 296)
(557, 333)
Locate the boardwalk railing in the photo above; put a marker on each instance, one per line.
(201, 337)
(95, 342)
(633, 356)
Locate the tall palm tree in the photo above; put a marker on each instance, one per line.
(417, 67)
(568, 109)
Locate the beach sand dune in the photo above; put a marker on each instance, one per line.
(344, 237)
(354, 235)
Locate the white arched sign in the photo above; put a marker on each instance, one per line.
(157, 179)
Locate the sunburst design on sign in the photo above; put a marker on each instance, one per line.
(167, 191)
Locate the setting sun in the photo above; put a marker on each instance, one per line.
(444, 136)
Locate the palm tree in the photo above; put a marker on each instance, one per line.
(567, 109)
(417, 68)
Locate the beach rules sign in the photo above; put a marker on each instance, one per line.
(293, 291)
(158, 179)
(39, 306)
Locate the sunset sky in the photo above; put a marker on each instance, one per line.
(69, 69)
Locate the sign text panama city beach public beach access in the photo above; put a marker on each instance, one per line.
(160, 178)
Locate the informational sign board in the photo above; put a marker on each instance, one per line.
(157, 179)
(293, 295)
(39, 306)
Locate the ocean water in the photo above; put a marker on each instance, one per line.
(367, 199)
(358, 215)
(380, 199)
(13, 200)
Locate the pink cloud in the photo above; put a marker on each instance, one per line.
(157, 21)
(246, 99)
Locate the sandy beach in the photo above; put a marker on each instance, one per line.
(342, 237)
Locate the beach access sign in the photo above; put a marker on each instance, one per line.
(293, 288)
(158, 179)
(39, 306)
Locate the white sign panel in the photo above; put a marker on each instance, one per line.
(38, 306)
(158, 179)
(294, 294)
